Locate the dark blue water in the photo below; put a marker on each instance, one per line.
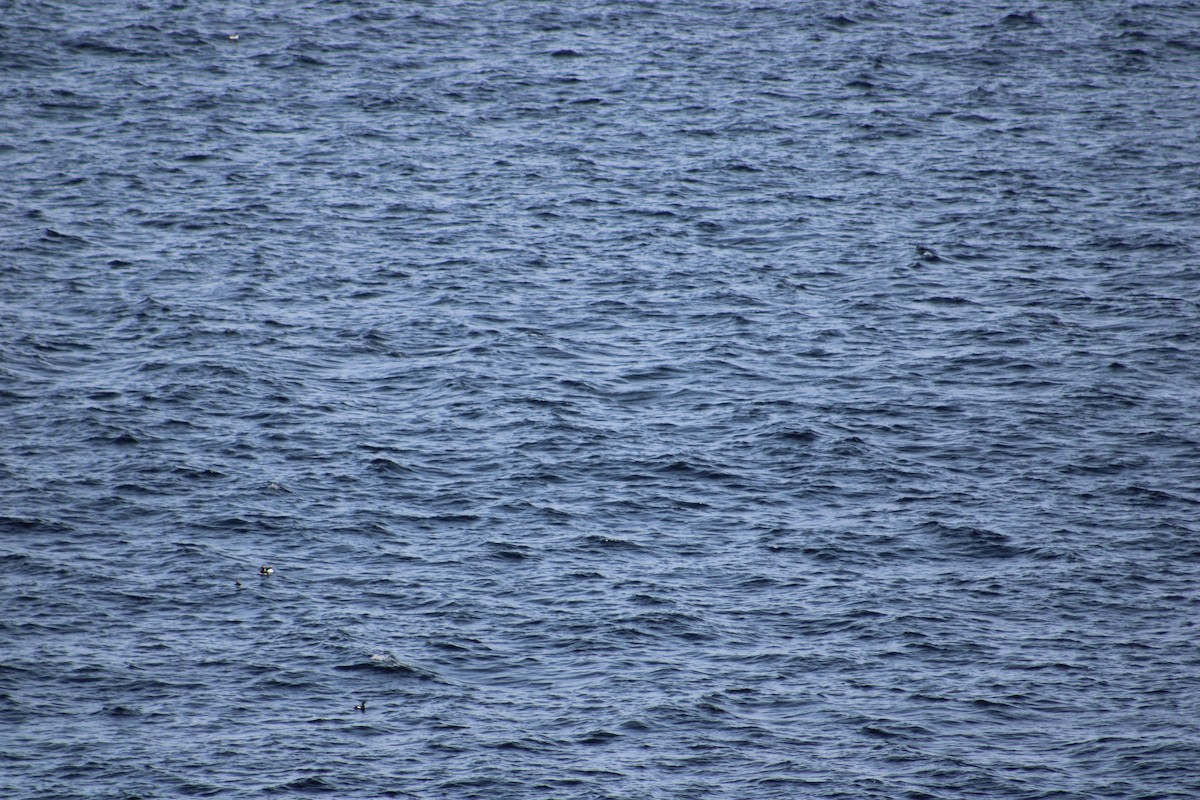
(634, 399)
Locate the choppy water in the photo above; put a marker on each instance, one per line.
(635, 400)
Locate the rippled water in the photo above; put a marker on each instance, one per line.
(634, 399)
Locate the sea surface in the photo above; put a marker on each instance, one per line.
(638, 400)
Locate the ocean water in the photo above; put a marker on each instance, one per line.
(634, 399)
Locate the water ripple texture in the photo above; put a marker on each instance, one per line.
(632, 398)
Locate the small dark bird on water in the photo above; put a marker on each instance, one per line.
(265, 569)
(361, 706)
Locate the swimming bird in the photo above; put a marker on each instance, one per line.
(233, 37)
(265, 569)
(361, 706)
